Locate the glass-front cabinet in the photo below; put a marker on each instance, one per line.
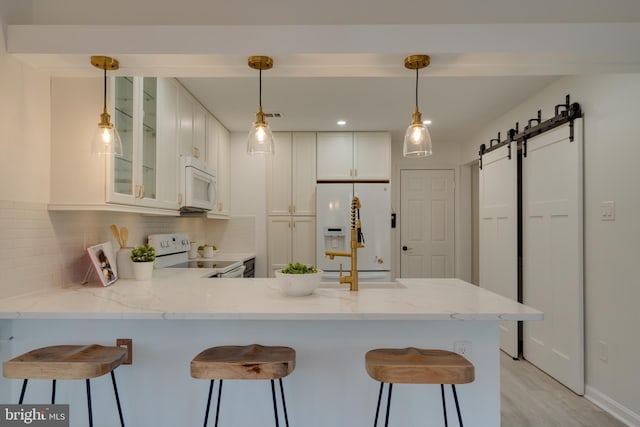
(134, 176)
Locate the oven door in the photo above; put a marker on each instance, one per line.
(200, 189)
(235, 273)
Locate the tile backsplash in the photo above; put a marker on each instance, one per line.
(40, 249)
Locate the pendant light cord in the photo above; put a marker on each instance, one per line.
(260, 90)
(105, 91)
(416, 89)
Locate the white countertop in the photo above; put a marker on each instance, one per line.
(186, 294)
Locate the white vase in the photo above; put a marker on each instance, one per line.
(143, 270)
(124, 264)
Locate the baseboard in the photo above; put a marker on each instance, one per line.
(618, 411)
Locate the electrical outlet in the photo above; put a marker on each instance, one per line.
(463, 348)
(128, 344)
(608, 211)
(603, 351)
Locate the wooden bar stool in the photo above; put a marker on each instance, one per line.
(251, 362)
(418, 366)
(67, 362)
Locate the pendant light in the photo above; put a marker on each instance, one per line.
(106, 140)
(417, 141)
(260, 137)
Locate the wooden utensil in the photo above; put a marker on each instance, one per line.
(124, 236)
(116, 234)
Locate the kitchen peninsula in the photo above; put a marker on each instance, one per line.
(180, 312)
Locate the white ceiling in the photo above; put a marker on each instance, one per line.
(339, 59)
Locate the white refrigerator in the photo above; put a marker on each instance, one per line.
(333, 210)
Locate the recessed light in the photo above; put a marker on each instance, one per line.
(426, 122)
(341, 122)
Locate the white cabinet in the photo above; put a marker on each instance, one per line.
(354, 156)
(291, 174)
(372, 155)
(291, 194)
(192, 117)
(290, 239)
(223, 173)
(217, 157)
(146, 174)
(143, 179)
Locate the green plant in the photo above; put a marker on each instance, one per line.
(144, 253)
(299, 268)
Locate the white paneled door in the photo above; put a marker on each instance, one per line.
(427, 223)
(553, 254)
(498, 212)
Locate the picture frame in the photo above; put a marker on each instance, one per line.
(104, 262)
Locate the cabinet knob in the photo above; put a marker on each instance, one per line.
(404, 248)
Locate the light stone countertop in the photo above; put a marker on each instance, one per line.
(187, 294)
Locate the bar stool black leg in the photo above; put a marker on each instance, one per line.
(206, 413)
(284, 404)
(444, 406)
(455, 397)
(275, 406)
(53, 392)
(89, 403)
(218, 405)
(375, 422)
(115, 391)
(386, 421)
(24, 389)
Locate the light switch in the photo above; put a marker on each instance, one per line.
(608, 211)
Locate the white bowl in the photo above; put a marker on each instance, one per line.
(298, 285)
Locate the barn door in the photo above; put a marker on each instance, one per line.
(553, 254)
(498, 215)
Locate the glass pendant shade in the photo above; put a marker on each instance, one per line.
(260, 136)
(417, 140)
(260, 139)
(106, 139)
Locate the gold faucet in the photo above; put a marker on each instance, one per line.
(356, 242)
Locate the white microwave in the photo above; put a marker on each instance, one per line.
(198, 186)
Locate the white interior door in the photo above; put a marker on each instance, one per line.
(553, 254)
(427, 223)
(498, 212)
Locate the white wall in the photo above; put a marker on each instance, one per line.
(612, 290)
(24, 130)
(248, 194)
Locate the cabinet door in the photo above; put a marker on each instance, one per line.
(303, 173)
(335, 156)
(147, 137)
(123, 186)
(223, 174)
(372, 155)
(279, 231)
(185, 122)
(213, 136)
(303, 244)
(279, 176)
(167, 149)
(199, 132)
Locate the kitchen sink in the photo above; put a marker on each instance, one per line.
(363, 285)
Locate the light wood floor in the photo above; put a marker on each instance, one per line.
(531, 398)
